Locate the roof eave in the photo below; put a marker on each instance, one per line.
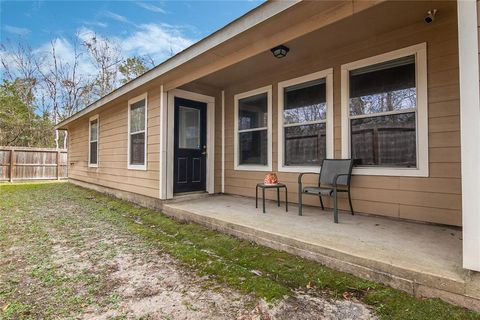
(236, 27)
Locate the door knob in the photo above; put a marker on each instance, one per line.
(204, 152)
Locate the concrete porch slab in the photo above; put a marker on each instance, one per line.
(424, 260)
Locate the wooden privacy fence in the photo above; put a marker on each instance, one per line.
(20, 163)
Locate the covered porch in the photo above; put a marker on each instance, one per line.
(422, 259)
(399, 236)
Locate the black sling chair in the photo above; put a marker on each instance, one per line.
(335, 176)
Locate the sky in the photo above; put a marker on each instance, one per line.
(153, 28)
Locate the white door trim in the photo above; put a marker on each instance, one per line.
(163, 143)
(469, 131)
(210, 101)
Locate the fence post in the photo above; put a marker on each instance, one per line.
(12, 164)
(58, 164)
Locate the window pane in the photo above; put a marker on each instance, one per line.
(253, 147)
(93, 130)
(385, 141)
(305, 145)
(252, 112)
(137, 116)
(306, 102)
(383, 87)
(189, 128)
(137, 148)
(93, 152)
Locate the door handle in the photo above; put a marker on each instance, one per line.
(204, 152)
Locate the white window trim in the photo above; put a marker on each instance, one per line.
(420, 52)
(237, 97)
(130, 102)
(328, 75)
(95, 117)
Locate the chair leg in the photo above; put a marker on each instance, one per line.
(321, 202)
(350, 201)
(335, 210)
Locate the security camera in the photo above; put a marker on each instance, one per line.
(430, 16)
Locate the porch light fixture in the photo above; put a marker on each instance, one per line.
(430, 16)
(280, 51)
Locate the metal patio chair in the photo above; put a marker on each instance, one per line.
(335, 176)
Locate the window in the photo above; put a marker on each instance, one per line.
(305, 122)
(189, 128)
(137, 133)
(384, 111)
(253, 123)
(93, 142)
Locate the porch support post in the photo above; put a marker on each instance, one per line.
(163, 144)
(470, 131)
(223, 142)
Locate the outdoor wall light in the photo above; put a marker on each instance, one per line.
(430, 16)
(280, 51)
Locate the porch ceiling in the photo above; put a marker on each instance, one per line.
(333, 39)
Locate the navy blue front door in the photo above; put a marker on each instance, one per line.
(190, 159)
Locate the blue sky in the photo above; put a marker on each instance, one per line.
(143, 28)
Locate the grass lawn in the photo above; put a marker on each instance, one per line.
(29, 214)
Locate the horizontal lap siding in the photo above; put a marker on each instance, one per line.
(433, 199)
(112, 169)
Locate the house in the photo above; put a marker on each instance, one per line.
(391, 84)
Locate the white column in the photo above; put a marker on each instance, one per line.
(470, 131)
(223, 141)
(163, 144)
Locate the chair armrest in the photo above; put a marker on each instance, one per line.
(300, 176)
(335, 179)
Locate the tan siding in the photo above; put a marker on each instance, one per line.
(434, 199)
(112, 169)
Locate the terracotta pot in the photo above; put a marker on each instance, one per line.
(270, 178)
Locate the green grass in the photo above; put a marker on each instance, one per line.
(226, 260)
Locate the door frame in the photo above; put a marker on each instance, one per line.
(210, 101)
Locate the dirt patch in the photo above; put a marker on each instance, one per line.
(156, 287)
(64, 261)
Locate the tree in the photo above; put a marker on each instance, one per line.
(105, 55)
(132, 68)
(64, 90)
(45, 86)
(19, 125)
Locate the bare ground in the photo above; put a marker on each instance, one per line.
(60, 261)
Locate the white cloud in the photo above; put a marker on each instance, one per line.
(156, 40)
(96, 24)
(16, 30)
(150, 7)
(116, 16)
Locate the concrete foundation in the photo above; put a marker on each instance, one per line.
(422, 259)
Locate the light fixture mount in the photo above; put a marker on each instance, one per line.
(280, 51)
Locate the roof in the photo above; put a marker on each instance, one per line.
(252, 18)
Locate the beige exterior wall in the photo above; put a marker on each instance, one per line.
(112, 169)
(433, 199)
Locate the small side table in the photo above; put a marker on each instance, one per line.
(271, 186)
